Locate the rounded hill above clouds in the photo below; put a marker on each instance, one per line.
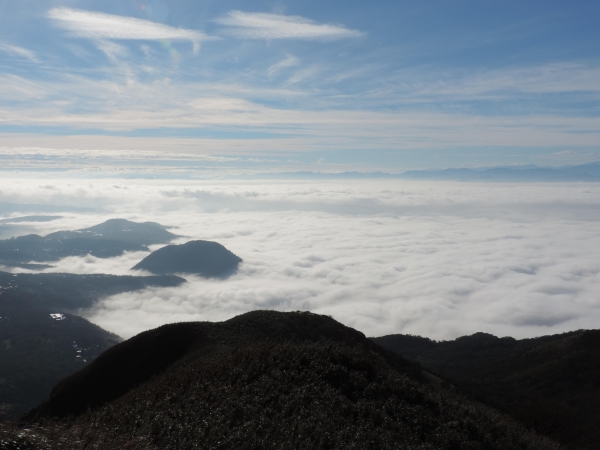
(204, 258)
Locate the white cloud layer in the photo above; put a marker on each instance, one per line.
(96, 25)
(434, 259)
(276, 26)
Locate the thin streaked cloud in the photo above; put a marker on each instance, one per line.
(19, 51)
(286, 63)
(247, 25)
(95, 25)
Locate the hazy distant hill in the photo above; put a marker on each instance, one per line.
(530, 173)
(30, 219)
(261, 380)
(205, 258)
(37, 349)
(106, 240)
(584, 172)
(141, 234)
(551, 383)
(24, 249)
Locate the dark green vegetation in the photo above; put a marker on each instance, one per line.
(205, 258)
(551, 383)
(37, 350)
(106, 240)
(260, 380)
(67, 292)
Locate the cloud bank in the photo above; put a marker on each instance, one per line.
(435, 259)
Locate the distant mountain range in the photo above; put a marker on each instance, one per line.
(585, 172)
(106, 240)
(529, 173)
(121, 230)
(113, 238)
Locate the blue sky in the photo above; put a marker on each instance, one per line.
(305, 85)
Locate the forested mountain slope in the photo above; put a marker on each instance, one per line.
(550, 383)
(261, 380)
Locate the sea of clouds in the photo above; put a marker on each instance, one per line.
(436, 259)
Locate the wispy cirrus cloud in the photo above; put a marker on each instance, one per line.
(19, 51)
(287, 62)
(558, 78)
(276, 26)
(95, 25)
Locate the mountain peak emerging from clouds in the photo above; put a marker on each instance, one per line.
(204, 258)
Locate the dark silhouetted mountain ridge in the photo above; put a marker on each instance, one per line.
(551, 383)
(261, 380)
(147, 354)
(37, 349)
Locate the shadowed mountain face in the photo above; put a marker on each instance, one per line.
(140, 234)
(21, 250)
(37, 349)
(204, 258)
(551, 383)
(147, 354)
(460, 356)
(69, 292)
(40, 342)
(261, 380)
(106, 240)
